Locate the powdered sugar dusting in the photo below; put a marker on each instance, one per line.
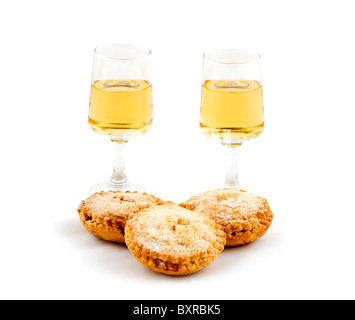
(116, 204)
(174, 231)
(227, 206)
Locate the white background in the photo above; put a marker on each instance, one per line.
(303, 163)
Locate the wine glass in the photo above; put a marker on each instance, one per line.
(232, 102)
(120, 103)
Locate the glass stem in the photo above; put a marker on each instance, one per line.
(118, 176)
(232, 179)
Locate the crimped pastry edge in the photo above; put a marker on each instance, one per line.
(238, 235)
(107, 229)
(171, 265)
(167, 264)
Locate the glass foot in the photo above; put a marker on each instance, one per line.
(107, 186)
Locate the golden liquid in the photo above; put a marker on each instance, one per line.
(121, 108)
(232, 111)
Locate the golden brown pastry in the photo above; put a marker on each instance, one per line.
(104, 214)
(173, 240)
(245, 217)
